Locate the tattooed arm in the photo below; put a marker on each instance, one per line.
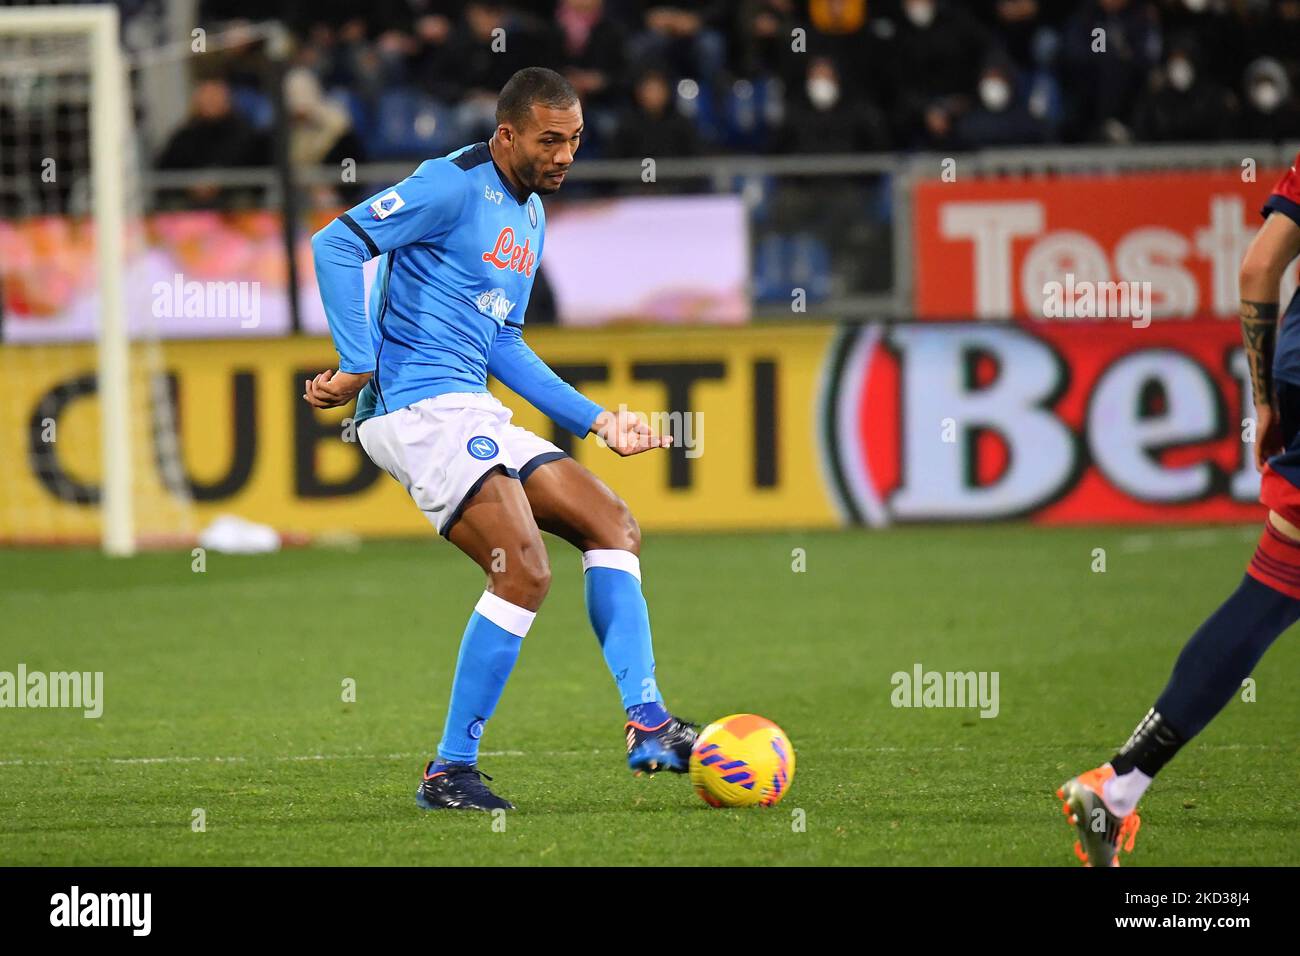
(1272, 249)
(1259, 331)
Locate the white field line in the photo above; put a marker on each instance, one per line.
(1198, 538)
(298, 758)
(301, 758)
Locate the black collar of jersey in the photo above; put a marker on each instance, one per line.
(477, 155)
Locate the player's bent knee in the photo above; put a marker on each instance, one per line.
(619, 533)
(630, 531)
(523, 578)
(528, 593)
(1283, 526)
(633, 535)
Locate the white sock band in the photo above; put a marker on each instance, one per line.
(1122, 792)
(618, 560)
(507, 616)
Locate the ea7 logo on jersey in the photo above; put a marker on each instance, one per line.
(493, 195)
(507, 254)
(386, 205)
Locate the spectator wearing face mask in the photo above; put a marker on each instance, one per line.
(1273, 29)
(939, 48)
(841, 30)
(1270, 112)
(1183, 104)
(828, 122)
(1002, 116)
(1218, 32)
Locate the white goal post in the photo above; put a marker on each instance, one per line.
(107, 149)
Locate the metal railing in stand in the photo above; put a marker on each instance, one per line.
(732, 174)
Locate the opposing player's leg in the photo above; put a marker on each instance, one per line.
(1102, 803)
(572, 503)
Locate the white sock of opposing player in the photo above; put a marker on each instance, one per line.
(1122, 792)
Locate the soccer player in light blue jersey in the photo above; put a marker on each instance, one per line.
(458, 243)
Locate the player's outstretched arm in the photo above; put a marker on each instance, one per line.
(522, 370)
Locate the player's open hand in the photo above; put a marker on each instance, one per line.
(627, 433)
(331, 389)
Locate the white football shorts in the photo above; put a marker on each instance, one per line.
(443, 448)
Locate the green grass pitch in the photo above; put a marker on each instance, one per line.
(223, 691)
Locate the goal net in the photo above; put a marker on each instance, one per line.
(88, 435)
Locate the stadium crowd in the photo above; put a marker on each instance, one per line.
(397, 79)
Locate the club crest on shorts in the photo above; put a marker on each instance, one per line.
(482, 447)
(532, 213)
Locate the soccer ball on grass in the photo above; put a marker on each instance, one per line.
(742, 761)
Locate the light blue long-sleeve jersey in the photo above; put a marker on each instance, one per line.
(457, 251)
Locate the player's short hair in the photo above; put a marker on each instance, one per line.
(533, 84)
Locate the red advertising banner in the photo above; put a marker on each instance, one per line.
(1058, 423)
(1023, 248)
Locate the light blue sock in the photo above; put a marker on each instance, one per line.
(488, 652)
(621, 620)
